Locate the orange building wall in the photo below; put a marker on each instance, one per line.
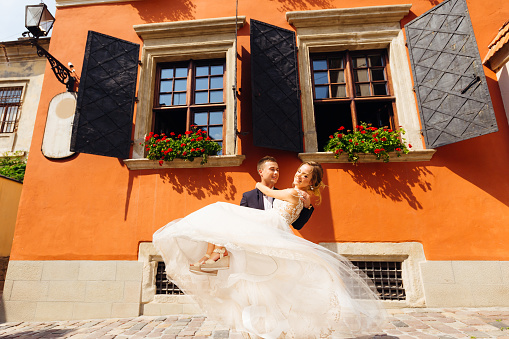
(91, 207)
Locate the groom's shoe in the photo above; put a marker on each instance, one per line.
(197, 270)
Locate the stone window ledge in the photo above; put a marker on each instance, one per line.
(213, 161)
(328, 157)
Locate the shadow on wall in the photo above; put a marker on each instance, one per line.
(395, 182)
(150, 11)
(203, 185)
(299, 5)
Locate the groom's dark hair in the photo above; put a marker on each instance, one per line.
(263, 160)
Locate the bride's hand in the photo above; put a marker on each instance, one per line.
(306, 199)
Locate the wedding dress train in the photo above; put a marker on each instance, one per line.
(277, 283)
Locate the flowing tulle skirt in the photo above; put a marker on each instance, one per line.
(277, 283)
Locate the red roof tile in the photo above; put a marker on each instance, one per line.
(500, 40)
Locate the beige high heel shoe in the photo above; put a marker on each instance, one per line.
(196, 267)
(222, 263)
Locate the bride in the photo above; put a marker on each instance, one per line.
(267, 281)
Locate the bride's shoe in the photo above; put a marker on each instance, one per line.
(196, 267)
(222, 263)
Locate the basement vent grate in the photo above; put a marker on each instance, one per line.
(387, 277)
(163, 286)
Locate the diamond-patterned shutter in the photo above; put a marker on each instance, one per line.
(275, 88)
(104, 111)
(453, 97)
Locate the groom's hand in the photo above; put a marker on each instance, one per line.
(306, 199)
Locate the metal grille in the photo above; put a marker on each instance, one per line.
(386, 275)
(10, 102)
(163, 286)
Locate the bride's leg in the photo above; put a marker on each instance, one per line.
(210, 249)
(214, 255)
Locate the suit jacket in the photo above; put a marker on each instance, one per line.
(254, 199)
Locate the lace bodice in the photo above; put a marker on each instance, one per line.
(287, 210)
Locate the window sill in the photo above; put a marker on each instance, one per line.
(328, 157)
(213, 161)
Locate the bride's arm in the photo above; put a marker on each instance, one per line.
(286, 194)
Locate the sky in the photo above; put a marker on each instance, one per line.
(12, 17)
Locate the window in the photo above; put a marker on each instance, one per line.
(350, 88)
(163, 285)
(10, 103)
(387, 277)
(190, 93)
(188, 44)
(364, 30)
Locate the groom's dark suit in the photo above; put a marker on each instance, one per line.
(254, 199)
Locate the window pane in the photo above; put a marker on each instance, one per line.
(321, 78)
(200, 118)
(216, 132)
(338, 91)
(221, 151)
(166, 86)
(167, 73)
(201, 98)
(216, 118)
(319, 64)
(216, 70)
(179, 99)
(216, 82)
(181, 72)
(202, 70)
(375, 60)
(337, 76)
(322, 92)
(216, 96)
(361, 75)
(379, 89)
(376, 113)
(202, 83)
(181, 85)
(359, 62)
(362, 90)
(377, 74)
(336, 63)
(165, 99)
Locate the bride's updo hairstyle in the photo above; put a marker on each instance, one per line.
(316, 179)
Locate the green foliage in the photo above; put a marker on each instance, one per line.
(188, 146)
(367, 140)
(13, 166)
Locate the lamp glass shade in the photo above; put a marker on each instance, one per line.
(38, 20)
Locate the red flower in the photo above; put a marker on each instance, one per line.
(182, 145)
(199, 138)
(383, 150)
(151, 134)
(384, 139)
(362, 141)
(170, 149)
(363, 132)
(337, 151)
(184, 153)
(180, 136)
(188, 132)
(192, 139)
(389, 130)
(330, 136)
(409, 146)
(164, 138)
(398, 149)
(202, 150)
(156, 135)
(375, 139)
(160, 162)
(208, 138)
(349, 140)
(377, 150)
(172, 134)
(341, 128)
(340, 135)
(356, 143)
(192, 149)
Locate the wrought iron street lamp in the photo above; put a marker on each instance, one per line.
(39, 21)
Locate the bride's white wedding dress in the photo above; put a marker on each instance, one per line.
(277, 282)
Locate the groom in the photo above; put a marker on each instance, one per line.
(269, 173)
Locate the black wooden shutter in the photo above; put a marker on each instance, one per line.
(275, 88)
(104, 111)
(453, 97)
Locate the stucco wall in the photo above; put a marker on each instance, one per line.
(10, 192)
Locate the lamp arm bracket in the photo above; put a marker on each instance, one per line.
(62, 73)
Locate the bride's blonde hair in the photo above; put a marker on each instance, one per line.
(316, 179)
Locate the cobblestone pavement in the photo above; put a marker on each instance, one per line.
(403, 324)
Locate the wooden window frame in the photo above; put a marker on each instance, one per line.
(190, 106)
(351, 96)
